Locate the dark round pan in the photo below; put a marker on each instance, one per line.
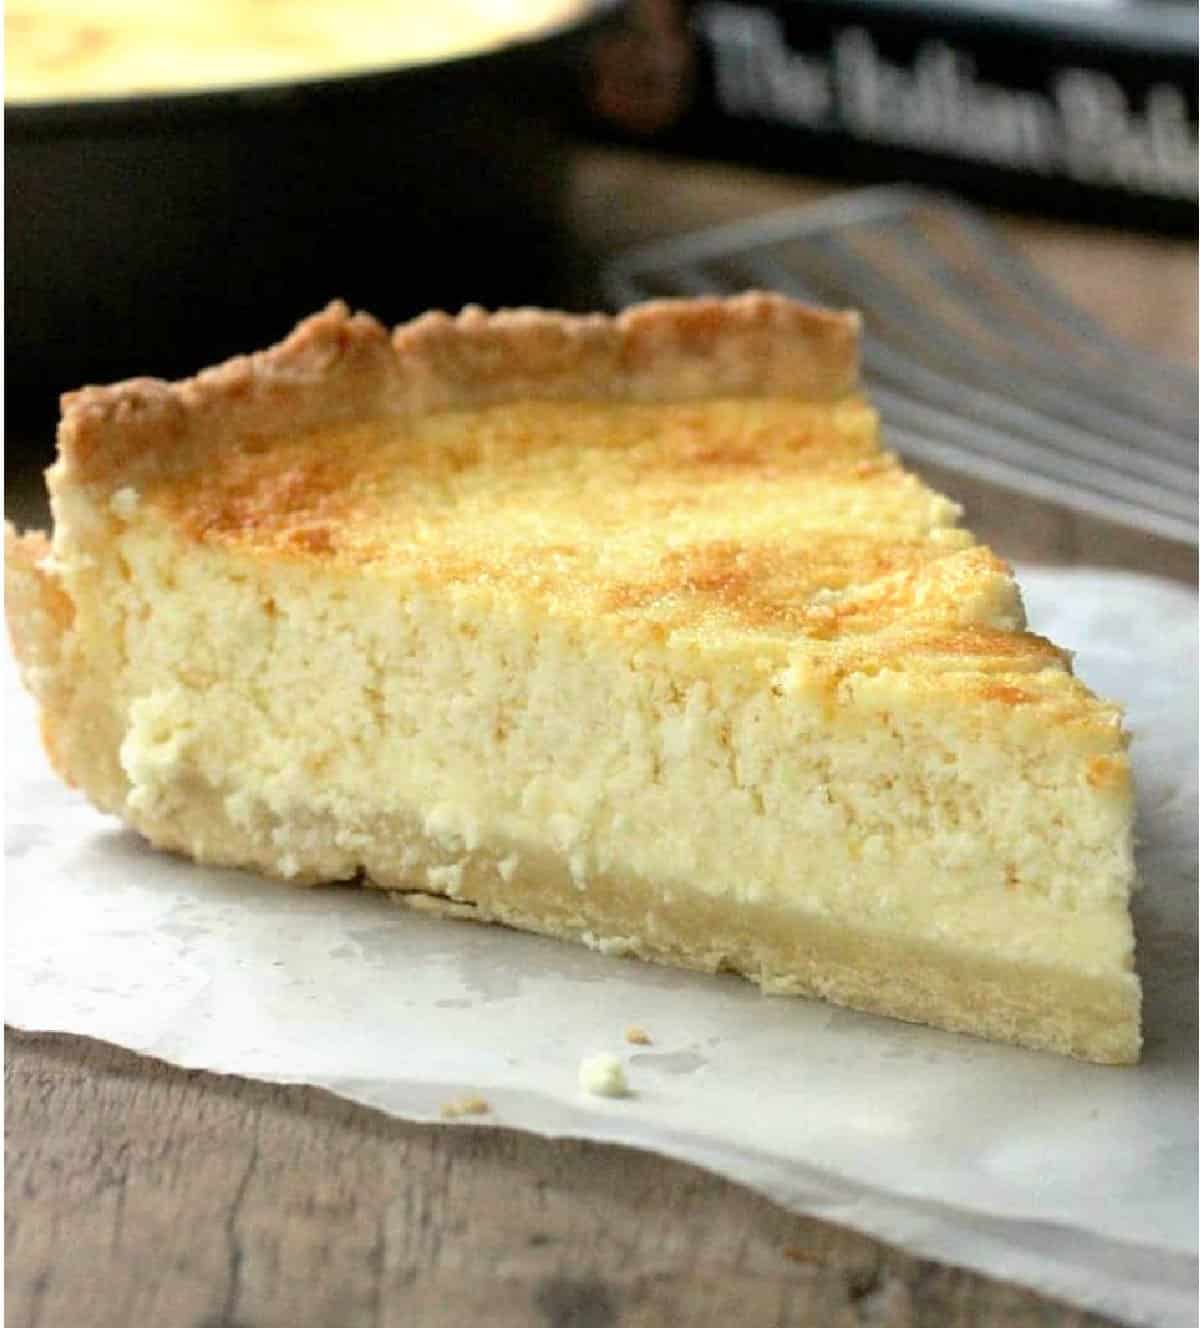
(153, 234)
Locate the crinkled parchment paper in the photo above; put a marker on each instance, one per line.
(1077, 1180)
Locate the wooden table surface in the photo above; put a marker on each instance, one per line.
(139, 1194)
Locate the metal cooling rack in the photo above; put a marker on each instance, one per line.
(976, 362)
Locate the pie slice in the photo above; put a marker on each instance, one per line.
(622, 630)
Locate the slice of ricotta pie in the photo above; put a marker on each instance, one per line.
(619, 629)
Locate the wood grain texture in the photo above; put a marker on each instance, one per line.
(142, 1194)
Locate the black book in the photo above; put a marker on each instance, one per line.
(1079, 108)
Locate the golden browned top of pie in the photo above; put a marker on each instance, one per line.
(760, 511)
(613, 470)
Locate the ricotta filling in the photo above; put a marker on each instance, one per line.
(296, 695)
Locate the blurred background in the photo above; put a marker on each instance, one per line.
(186, 181)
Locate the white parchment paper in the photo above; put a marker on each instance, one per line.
(1074, 1179)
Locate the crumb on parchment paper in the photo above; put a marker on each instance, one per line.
(638, 1036)
(465, 1106)
(603, 1076)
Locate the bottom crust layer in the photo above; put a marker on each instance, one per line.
(783, 950)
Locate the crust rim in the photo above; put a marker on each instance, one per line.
(338, 366)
